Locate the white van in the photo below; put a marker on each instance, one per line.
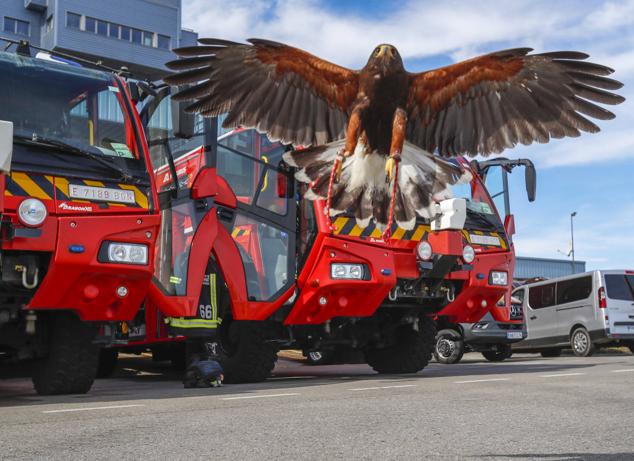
(581, 311)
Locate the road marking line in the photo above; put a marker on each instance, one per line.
(561, 374)
(382, 387)
(290, 377)
(623, 371)
(67, 410)
(482, 380)
(242, 397)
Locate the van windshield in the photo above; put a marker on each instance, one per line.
(620, 286)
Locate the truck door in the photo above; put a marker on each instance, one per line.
(263, 225)
(180, 151)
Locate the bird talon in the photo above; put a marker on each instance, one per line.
(338, 167)
(390, 166)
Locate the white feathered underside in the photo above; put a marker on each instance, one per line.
(367, 171)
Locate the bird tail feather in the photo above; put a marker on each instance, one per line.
(362, 191)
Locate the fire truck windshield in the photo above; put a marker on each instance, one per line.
(67, 106)
(481, 214)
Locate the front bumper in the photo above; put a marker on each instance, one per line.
(493, 333)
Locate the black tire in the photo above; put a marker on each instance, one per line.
(108, 359)
(178, 356)
(449, 347)
(581, 343)
(631, 347)
(410, 354)
(71, 365)
(319, 357)
(551, 353)
(245, 355)
(502, 352)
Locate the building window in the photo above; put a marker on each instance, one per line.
(137, 36)
(73, 20)
(102, 28)
(16, 26)
(148, 38)
(113, 32)
(126, 33)
(163, 42)
(91, 24)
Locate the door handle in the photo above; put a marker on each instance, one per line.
(534, 317)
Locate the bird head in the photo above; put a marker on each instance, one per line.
(385, 57)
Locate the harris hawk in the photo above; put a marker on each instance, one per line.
(358, 125)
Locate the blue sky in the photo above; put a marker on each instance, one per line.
(591, 174)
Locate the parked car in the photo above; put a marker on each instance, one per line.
(493, 339)
(582, 311)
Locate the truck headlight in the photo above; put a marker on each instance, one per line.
(32, 212)
(468, 254)
(498, 278)
(127, 253)
(347, 271)
(424, 250)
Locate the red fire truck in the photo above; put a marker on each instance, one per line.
(288, 281)
(80, 217)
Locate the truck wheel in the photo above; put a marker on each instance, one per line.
(71, 365)
(551, 353)
(178, 356)
(449, 347)
(581, 343)
(108, 359)
(502, 353)
(246, 356)
(410, 354)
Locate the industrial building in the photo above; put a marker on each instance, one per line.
(528, 268)
(137, 34)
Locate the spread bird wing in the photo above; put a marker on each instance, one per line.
(289, 94)
(493, 102)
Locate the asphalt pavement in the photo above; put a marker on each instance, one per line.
(528, 407)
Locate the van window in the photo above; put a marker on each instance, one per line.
(574, 289)
(620, 286)
(541, 296)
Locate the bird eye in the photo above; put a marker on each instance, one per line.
(376, 50)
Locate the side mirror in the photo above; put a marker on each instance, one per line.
(6, 145)
(182, 122)
(530, 177)
(509, 225)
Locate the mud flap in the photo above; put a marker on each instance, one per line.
(205, 324)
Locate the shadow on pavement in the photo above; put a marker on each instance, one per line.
(139, 378)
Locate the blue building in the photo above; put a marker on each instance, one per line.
(528, 268)
(137, 34)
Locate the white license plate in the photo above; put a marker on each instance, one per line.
(513, 335)
(484, 239)
(100, 194)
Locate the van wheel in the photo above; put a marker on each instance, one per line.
(551, 353)
(410, 354)
(108, 359)
(502, 353)
(449, 347)
(581, 343)
(71, 365)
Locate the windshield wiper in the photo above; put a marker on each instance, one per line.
(52, 143)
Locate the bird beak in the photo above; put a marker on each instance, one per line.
(382, 51)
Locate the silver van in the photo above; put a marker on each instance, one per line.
(582, 311)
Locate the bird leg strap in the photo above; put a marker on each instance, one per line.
(391, 169)
(335, 174)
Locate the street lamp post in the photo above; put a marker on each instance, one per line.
(572, 240)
